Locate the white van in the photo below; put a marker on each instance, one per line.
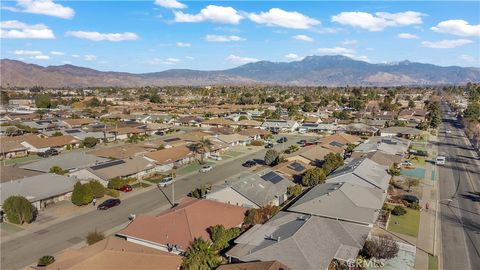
(440, 160)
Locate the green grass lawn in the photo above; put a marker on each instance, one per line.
(140, 185)
(21, 159)
(418, 160)
(432, 262)
(192, 168)
(154, 180)
(406, 224)
(233, 153)
(418, 147)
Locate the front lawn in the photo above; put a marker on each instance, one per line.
(406, 224)
(432, 262)
(140, 185)
(418, 160)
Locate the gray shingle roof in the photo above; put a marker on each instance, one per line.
(68, 161)
(38, 187)
(342, 201)
(300, 241)
(362, 171)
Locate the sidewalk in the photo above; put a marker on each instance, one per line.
(426, 232)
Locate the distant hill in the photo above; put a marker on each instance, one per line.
(312, 71)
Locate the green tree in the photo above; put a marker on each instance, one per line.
(294, 191)
(57, 134)
(45, 260)
(18, 209)
(94, 237)
(4, 98)
(82, 194)
(394, 170)
(260, 215)
(313, 177)
(271, 157)
(293, 110)
(97, 188)
(43, 101)
(221, 236)
(292, 148)
(201, 147)
(472, 111)
(155, 98)
(411, 104)
(242, 117)
(201, 256)
(308, 107)
(90, 142)
(331, 162)
(271, 100)
(94, 102)
(116, 183)
(199, 192)
(57, 170)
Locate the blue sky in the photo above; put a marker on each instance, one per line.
(148, 36)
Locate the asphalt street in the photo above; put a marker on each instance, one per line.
(459, 197)
(25, 250)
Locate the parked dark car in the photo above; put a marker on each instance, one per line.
(269, 145)
(410, 198)
(108, 204)
(48, 152)
(126, 188)
(302, 142)
(249, 163)
(282, 140)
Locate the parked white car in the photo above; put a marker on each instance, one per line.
(206, 168)
(215, 157)
(166, 181)
(440, 161)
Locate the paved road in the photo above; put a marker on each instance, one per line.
(27, 249)
(460, 183)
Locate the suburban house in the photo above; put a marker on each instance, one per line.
(255, 133)
(252, 190)
(10, 148)
(115, 253)
(280, 125)
(293, 169)
(363, 172)
(317, 127)
(379, 157)
(300, 241)
(269, 265)
(123, 133)
(42, 125)
(385, 115)
(389, 145)
(360, 129)
(171, 158)
(247, 123)
(10, 173)
(189, 121)
(233, 139)
(80, 134)
(68, 162)
(406, 132)
(175, 229)
(136, 167)
(217, 122)
(37, 144)
(312, 154)
(78, 122)
(342, 201)
(41, 190)
(122, 151)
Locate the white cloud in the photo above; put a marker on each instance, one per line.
(159, 61)
(183, 44)
(96, 36)
(217, 38)
(240, 60)
(38, 55)
(446, 44)
(303, 38)
(173, 60)
(407, 36)
(75, 55)
(292, 56)
(89, 57)
(56, 53)
(45, 7)
(19, 30)
(378, 21)
(173, 4)
(282, 18)
(211, 13)
(468, 58)
(349, 42)
(337, 50)
(458, 28)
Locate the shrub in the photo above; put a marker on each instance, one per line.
(394, 170)
(90, 142)
(97, 189)
(57, 170)
(271, 157)
(294, 191)
(414, 206)
(257, 143)
(291, 149)
(221, 236)
(260, 215)
(313, 177)
(116, 183)
(45, 260)
(199, 192)
(399, 211)
(94, 237)
(380, 247)
(18, 209)
(82, 194)
(112, 193)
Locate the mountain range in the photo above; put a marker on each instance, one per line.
(311, 71)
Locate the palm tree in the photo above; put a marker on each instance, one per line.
(201, 256)
(201, 147)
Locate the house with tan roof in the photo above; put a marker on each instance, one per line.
(10, 148)
(255, 133)
(234, 139)
(312, 154)
(115, 253)
(123, 133)
(248, 123)
(121, 151)
(293, 169)
(38, 144)
(78, 122)
(176, 228)
(171, 158)
(217, 122)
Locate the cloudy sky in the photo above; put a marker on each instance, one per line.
(146, 36)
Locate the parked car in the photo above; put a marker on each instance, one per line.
(302, 142)
(166, 181)
(269, 145)
(410, 198)
(126, 188)
(249, 163)
(406, 163)
(282, 140)
(48, 152)
(108, 204)
(206, 168)
(215, 157)
(440, 160)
